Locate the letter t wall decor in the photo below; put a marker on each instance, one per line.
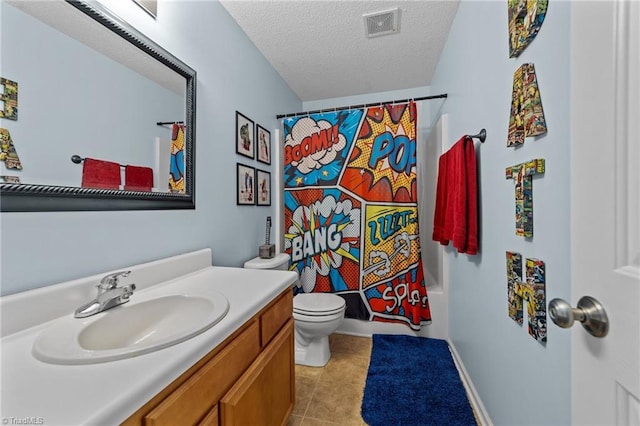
(523, 175)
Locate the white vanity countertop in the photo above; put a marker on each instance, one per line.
(108, 393)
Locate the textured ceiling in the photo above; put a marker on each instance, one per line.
(321, 51)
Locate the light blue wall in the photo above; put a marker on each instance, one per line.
(39, 249)
(519, 380)
(74, 100)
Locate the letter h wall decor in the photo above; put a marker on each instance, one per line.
(532, 290)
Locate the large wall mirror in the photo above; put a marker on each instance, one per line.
(94, 92)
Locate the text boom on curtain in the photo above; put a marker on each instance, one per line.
(351, 215)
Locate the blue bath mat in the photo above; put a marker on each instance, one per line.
(413, 381)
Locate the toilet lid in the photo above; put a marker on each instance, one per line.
(318, 303)
(274, 263)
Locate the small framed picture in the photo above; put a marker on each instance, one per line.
(263, 145)
(245, 187)
(244, 136)
(263, 187)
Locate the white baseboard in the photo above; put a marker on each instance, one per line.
(474, 398)
(356, 327)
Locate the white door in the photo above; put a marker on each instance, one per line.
(605, 194)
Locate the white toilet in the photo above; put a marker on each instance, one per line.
(315, 316)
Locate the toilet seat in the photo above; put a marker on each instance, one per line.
(318, 304)
(315, 317)
(318, 313)
(318, 318)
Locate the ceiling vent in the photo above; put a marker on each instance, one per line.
(381, 23)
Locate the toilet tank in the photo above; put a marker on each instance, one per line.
(279, 261)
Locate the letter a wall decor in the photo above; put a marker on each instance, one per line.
(527, 118)
(525, 19)
(8, 152)
(532, 290)
(522, 174)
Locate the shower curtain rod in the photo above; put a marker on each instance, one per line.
(164, 123)
(423, 98)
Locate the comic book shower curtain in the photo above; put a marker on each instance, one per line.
(351, 216)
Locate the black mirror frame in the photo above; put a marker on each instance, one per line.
(41, 198)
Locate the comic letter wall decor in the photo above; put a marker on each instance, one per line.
(527, 117)
(9, 97)
(523, 174)
(532, 290)
(525, 19)
(8, 152)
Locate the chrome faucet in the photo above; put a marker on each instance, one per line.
(109, 295)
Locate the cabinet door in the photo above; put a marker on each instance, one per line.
(211, 419)
(265, 393)
(196, 396)
(275, 316)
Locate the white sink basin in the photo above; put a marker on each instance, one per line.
(154, 319)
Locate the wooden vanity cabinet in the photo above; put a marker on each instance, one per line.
(264, 395)
(246, 380)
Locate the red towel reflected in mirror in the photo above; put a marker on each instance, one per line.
(138, 178)
(100, 174)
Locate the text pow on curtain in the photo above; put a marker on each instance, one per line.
(351, 216)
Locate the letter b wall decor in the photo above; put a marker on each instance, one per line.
(525, 19)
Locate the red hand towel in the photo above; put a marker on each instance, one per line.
(458, 206)
(441, 201)
(455, 216)
(471, 243)
(100, 174)
(138, 178)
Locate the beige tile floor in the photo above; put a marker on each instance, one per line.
(332, 395)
